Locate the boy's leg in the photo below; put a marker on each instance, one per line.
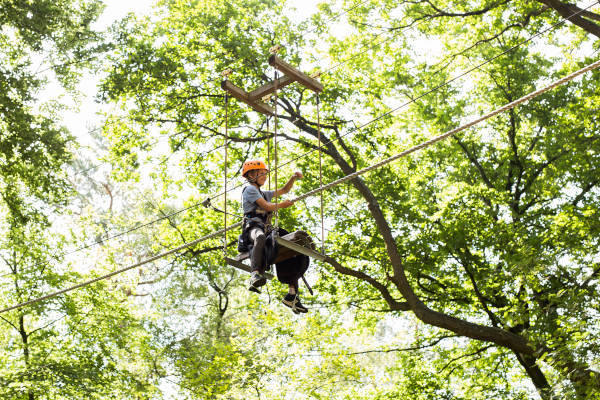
(257, 279)
(257, 235)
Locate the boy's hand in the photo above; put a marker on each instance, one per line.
(297, 175)
(286, 203)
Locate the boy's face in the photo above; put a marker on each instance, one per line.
(259, 176)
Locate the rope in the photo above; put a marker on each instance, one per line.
(268, 153)
(276, 159)
(329, 185)
(119, 271)
(320, 174)
(225, 179)
(452, 131)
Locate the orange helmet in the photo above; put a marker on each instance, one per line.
(253, 164)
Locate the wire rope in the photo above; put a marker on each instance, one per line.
(225, 178)
(320, 174)
(275, 156)
(347, 177)
(432, 90)
(360, 127)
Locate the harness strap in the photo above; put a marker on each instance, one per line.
(265, 218)
(307, 285)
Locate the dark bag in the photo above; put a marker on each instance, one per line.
(290, 270)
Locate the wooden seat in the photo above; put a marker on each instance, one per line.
(290, 245)
(237, 263)
(295, 243)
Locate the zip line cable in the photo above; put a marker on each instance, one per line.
(275, 157)
(157, 141)
(348, 177)
(432, 90)
(137, 227)
(119, 271)
(225, 175)
(360, 127)
(320, 174)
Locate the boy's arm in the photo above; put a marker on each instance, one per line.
(288, 186)
(268, 206)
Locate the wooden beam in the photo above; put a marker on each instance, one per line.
(270, 87)
(244, 267)
(301, 77)
(300, 249)
(242, 95)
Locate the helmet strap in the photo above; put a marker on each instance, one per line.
(252, 180)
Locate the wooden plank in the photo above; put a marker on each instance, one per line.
(270, 87)
(238, 264)
(300, 249)
(241, 95)
(301, 77)
(244, 267)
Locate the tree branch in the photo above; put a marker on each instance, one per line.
(567, 11)
(394, 305)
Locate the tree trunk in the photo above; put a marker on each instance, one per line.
(535, 374)
(24, 340)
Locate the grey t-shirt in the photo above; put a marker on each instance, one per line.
(249, 196)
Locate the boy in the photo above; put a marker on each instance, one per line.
(258, 208)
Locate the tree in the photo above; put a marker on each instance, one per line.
(506, 15)
(490, 236)
(39, 39)
(65, 348)
(80, 345)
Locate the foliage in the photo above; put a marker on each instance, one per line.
(38, 40)
(465, 271)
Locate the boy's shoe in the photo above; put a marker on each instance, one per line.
(299, 307)
(256, 280)
(293, 302)
(290, 301)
